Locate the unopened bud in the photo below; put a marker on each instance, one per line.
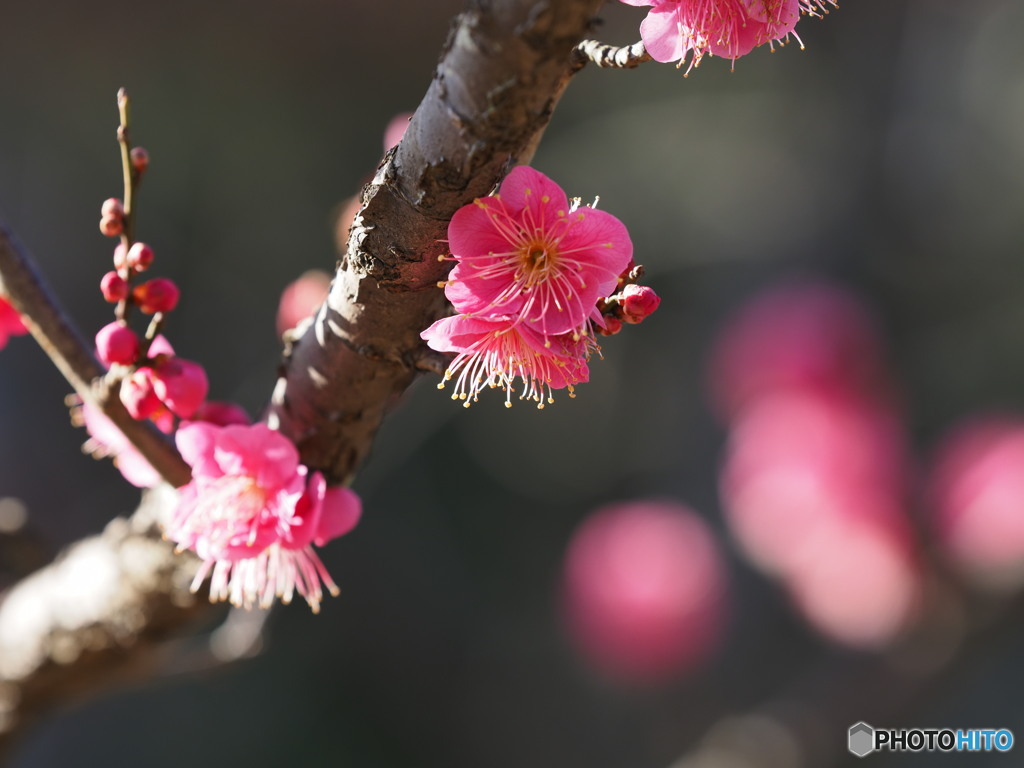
(140, 256)
(181, 385)
(112, 226)
(612, 325)
(114, 287)
(112, 208)
(120, 257)
(157, 295)
(638, 301)
(117, 344)
(140, 159)
(138, 396)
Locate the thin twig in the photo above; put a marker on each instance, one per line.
(23, 284)
(613, 56)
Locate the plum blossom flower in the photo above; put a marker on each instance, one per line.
(493, 353)
(527, 254)
(10, 322)
(676, 29)
(252, 514)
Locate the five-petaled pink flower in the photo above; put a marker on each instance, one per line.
(526, 253)
(252, 513)
(494, 352)
(675, 29)
(10, 322)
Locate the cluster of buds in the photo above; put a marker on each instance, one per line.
(632, 303)
(155, 383)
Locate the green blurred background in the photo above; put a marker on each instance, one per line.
(886, 156)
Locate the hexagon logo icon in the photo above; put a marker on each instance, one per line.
(861, 739)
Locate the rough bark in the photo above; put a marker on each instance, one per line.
(504, 66)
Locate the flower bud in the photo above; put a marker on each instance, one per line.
(117, 344)
(140, 159)
(638, 301)
(138, 396)
(114, 287)
(111, 226)
(157, 295)
(181, 385)
(140, 256)
(120, 257)
(112, 208)
(612, 325)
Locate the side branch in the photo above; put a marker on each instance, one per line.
(22, 283)
(604, 55)
(503, 69)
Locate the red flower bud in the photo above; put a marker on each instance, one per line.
(612, 325)
(138, 396)
(114, 287)
(638, 301)
(112, 208)
(140, 256)
(111, 226)
(117, 344)
(181, 385)
(140, 159)
(157, 295)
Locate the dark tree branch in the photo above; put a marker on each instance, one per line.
(504, 66)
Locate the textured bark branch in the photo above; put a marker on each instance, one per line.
(96, 616)
(102, 608)
(616, 57)
(22, 283)
(504, 66)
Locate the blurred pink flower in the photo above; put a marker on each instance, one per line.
(674, 29)
(862, 589)
(252, 513)
(493, 353)
(10, 323)
(976, 498)
(645, 590)
(105, 439)
(802, 334)
(528, 254)
(396, 129)
(303, 297)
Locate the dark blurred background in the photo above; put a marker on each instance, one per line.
(884, 158)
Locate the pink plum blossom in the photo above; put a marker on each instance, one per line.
(493, 353)
(645, 590)
(802, 334)
(10, 323)
(252, 514)
(674, 29)
(527, 254)
(302, 297)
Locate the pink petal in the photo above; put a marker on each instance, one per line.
(472, 233)
(197, 442)
(261, 453)
(640, 2)
(661, 34)
(525, 187)
(342, 509)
